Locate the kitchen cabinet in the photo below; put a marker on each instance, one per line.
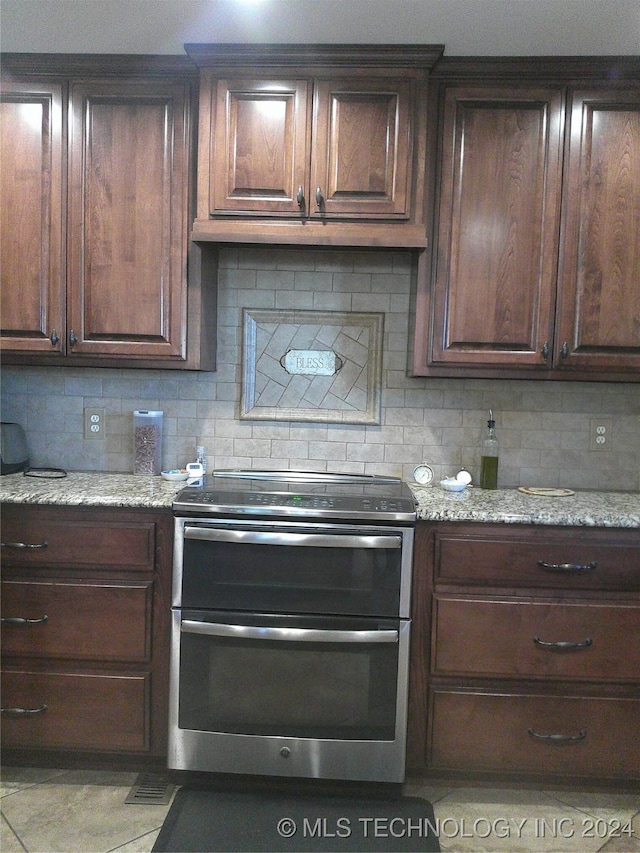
(95, 211)
(85, 608)
(321, 145)
(525, 661)
(535, 266)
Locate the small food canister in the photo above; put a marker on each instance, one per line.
(147, 442)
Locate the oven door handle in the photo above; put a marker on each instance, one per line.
(296, 635)
(310, 540)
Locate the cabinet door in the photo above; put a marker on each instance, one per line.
(259, 146)
(599, 305)
(32, 294)
(498, 222)
(128, 205)
(361, 148)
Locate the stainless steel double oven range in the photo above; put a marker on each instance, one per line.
(291, 625)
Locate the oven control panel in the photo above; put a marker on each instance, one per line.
(281, 503)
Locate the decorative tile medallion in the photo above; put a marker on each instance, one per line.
(311, 366)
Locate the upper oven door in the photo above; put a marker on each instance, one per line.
(277, 567)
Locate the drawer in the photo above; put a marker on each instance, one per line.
(75, 711)
(52, 539)
(539, 557)
(517, 637)
(84, 621)
(551, 735)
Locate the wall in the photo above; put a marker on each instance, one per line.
(543, 427)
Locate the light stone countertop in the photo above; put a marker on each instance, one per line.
(508, 506)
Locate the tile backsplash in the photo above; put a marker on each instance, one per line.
(543, 427)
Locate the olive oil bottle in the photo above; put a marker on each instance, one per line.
(489, 457)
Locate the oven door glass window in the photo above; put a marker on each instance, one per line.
(292, 572)
(313, 678)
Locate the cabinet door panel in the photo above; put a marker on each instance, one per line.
(360, 160)
(32, 233)
(477, 730)
(497, 246)
(81, 710)
(600, 270)
(127, 227)
(535, 639)
(260, 147)
(80, 620)
(76, 542)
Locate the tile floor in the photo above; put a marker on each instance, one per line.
(80, 811)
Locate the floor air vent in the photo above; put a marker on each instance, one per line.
(150, 789)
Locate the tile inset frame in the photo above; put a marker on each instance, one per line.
(351, 396)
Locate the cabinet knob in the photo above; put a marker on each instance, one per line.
(29, 546)
(558, 738)
(545, 351)
(563, 645)
(22, 712)
(564, 352)
(54, 338)
(319, 197)
(72, 338)
(567, 567)
(300, 198)
(21, 620)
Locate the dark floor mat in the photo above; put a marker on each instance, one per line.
(207, 820)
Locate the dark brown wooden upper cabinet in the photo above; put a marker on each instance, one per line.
(127, 195)
(312, 144)
(598, 325)
(535, 266)
(498, 235)
(96, 202)
(32, 232)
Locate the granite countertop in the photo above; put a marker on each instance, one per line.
(508, 506)
(90, 489)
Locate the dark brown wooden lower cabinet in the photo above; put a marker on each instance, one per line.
(63, 710)
(85, 633)
(542, 734)
(525, 658)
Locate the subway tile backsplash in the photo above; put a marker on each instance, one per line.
(543, 427)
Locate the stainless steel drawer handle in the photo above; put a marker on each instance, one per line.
(567, 567)
(21, 620)
(563, 644)
(22, 712)
(28, 546)
(558, 738)
(296, 635)
(301, 540)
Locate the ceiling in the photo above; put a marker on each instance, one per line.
(465, 27)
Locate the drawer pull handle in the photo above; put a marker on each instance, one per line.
(21, 546)
(567, 567)
(557, 738)
(21, 620)
(563, 644)
(22, 712)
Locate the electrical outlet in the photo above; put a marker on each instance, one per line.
(94, 423)
(600, 434)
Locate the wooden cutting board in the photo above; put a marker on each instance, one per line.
(545, 492)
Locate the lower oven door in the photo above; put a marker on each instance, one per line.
(322, 697)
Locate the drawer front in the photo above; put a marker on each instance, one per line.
(48, 540)
(577, 736)
(511, 637)
(75, 711)
(100, 621)
(540, 558)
